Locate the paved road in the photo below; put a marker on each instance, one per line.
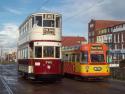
(11, 84)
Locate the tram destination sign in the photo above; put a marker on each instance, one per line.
(97, 48)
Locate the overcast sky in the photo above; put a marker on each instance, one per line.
(76, 15)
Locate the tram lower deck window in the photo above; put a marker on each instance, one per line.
(48, 51)
(57, 52)
(38, 52)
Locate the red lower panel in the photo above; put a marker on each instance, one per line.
(47, 66)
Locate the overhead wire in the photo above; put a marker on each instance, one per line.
(100, 2)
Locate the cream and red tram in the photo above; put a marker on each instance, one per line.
(39, 46)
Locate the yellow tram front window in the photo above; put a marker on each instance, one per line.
(97, 58)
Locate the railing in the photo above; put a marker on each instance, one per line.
(118, 73)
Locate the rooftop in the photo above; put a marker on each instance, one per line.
(99, 24)
(72, 40)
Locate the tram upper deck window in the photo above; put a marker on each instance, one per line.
(32, 21)
(84, 57)
(39, 20)
(38, 52)
(48, 51)
(57, 21)
(48, 23)
(97, 58)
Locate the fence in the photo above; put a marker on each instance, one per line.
(118, 73)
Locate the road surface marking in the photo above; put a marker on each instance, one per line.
(6, 85)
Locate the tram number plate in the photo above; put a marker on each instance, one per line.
(97, 68)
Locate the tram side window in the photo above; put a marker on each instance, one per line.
(70, 58)
(73, 57)
(38, 52)
(26, 52)
(32, 21)
(77, 57)
(48, 51)
(39, 20)
(23, 53)
(57, 21)
(57, 52)
(48, 23)
(84, 57)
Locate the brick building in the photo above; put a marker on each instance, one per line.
(111, 33)
(95, 25)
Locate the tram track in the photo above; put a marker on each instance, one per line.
(6, 85)
(8, 89)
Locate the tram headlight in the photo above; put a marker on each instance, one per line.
(107, 69)
(48, 67)
(97, 68)
(87, 68)
(37, 63)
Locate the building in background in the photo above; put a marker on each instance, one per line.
(95, 25)
(8, 54)
(72, 40)
(11, 56)
(111, 33)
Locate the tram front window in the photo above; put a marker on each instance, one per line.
(48, 51)
(38, 52)
(39, 20)
(97, 58)
(84, 57)
(48, 23)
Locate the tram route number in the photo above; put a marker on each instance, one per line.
(48, 31)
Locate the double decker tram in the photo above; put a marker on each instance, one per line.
(39, 47)
(86, 61)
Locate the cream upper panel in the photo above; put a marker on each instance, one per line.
(47, 33)
(41, 26)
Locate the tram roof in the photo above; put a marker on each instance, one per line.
(38, 13)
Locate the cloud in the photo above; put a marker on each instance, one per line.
(77, 13)
(115, 8)
(9, 35)
(14, 11)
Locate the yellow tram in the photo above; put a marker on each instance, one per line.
(86, 60)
